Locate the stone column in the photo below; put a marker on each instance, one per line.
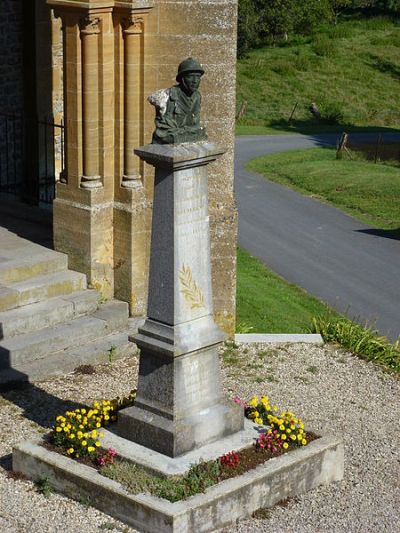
(133, 27)
(179, 405)
(132, 206)
(90, 30)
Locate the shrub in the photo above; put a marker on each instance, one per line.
(331, 113)
(323, 46)
(363, 341)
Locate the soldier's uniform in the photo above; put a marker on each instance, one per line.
(178, 114)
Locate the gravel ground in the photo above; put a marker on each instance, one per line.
(330, 389)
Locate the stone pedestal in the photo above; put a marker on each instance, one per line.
(179, 404)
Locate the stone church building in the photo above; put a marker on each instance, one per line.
(74, 81)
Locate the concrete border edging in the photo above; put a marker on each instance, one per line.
(278, 338)
(320, 462)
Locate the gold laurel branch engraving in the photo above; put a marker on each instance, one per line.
(190, 290)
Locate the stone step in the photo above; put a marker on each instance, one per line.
(47, 313)
(64, 361)
(39, 288)
(23, 349)
(29, 264)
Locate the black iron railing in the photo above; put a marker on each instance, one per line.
(31, 157)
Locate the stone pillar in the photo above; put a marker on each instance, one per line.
(84, 222)
(179, 404)
(90, 31)
(133, 35)
(132, 206)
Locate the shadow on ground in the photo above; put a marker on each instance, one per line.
(30, 223)
(386, 233)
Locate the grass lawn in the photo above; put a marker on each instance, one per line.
(367, 191)
(351, 71)
(268, 303)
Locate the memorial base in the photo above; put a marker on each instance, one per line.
(179, 406)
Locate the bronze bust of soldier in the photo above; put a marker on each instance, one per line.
(178, 108)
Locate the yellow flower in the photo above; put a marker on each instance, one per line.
(97, 443)
(283, 436)
(253, 402)
(98, 425)
(258, 420)
(106, 417)
(72, 436)
(301, 425)
(84, 443)
(288, 430)
(70, 450)
(299, 437)
(94, 434)
(285, 445)
(292, 426)
(293, 437)
(304, 442)
(90, 449)
(58, 429)
(282, 427)
(83, 411)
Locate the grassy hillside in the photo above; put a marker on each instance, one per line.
(351, 71)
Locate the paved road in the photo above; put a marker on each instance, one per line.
(351, 266)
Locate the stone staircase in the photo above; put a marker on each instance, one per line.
(50, 322)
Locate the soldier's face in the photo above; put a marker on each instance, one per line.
(191, 82)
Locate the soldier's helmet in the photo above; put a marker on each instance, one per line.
(188, 65)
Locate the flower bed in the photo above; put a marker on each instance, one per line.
(78, 435)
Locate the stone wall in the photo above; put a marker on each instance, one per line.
(206, 30)
(11, 68)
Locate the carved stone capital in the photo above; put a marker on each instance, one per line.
(89, 25)
(132, 23)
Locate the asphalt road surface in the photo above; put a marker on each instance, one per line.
(353, 267)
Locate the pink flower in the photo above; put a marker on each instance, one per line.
(239, 401)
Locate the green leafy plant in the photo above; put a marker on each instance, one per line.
(244, 327)
(112, 352)
(173, 488)
(44, 486)
(363, 341)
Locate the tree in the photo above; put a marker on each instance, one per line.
(247, 26)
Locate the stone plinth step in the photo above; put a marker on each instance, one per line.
(103, 350)
(47, 313)
(19, 350)
(38, 263)
(39, 288)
